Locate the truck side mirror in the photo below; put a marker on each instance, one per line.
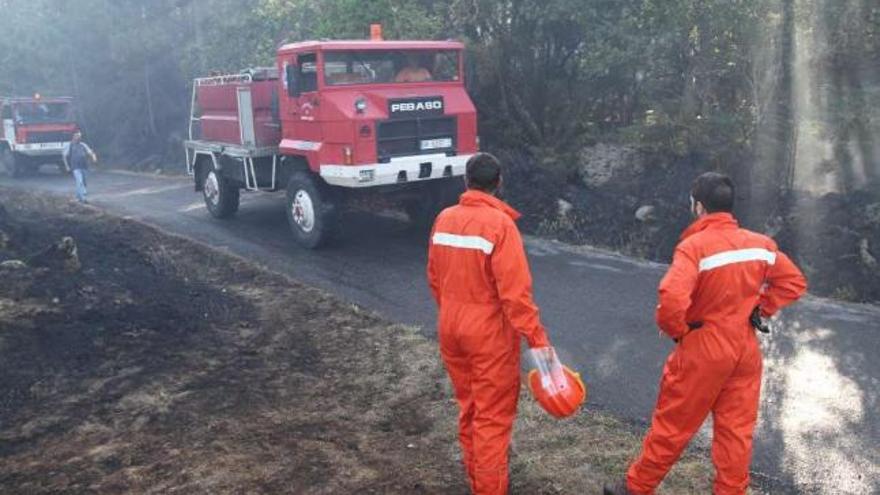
(292, 82)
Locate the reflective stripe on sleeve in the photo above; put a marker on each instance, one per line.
(737, 256)
(463, 242)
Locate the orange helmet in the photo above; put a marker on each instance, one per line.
(561, 399)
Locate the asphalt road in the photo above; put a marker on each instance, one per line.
(819, 429)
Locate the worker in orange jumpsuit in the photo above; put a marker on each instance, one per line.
(722, 281)
(479, 277)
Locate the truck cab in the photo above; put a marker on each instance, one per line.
(334, 122)
(366, 113)
(34, 132)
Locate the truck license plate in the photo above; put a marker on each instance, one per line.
(436, 144)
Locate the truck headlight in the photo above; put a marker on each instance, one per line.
(360, 105)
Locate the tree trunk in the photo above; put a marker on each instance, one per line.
(785, 106)
(150, 116)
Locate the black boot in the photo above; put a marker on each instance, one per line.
(617, 488)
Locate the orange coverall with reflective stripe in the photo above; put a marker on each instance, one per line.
(719, 273)
(479, 276)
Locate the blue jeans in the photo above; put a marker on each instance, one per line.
(79, 175)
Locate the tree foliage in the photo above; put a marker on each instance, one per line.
(678, 77)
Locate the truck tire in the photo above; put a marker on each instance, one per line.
(310, 211)
(11, 164)
(443, 193)
(422, 211)
(221, 197)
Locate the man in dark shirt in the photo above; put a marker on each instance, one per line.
(77, 156)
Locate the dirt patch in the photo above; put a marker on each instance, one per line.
(162, 366)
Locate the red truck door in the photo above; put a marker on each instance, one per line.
(304, 105)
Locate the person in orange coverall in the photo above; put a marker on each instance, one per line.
(722, 280)
(479, 277)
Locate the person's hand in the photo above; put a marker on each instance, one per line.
(549, 368)
(543, 357)
(758, 322)
(545, 360)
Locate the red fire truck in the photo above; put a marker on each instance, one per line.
(333, 122)
(35, 131)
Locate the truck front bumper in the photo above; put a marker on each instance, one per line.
(39, 149)
(400, 170)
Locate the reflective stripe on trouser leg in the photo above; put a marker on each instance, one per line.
(687, 392)
(734, 416)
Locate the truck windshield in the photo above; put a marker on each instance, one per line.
(42, 112)
(389, 66)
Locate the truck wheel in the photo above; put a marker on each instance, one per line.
(424, 210)
(221, 197)
(11, 164)
(310, 212)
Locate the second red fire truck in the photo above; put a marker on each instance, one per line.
(34, 132)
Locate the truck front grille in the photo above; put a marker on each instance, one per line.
(48, 137)
(404, 137)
